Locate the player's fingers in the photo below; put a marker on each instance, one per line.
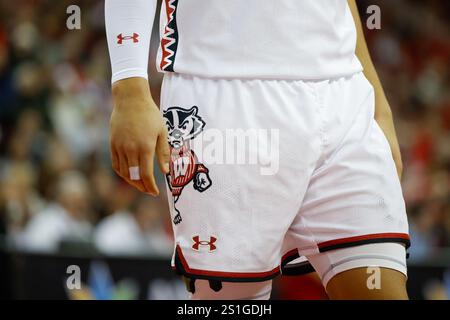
(134, 176)
(146, 171)
(114, 160)
(123, 165)
(163, 152)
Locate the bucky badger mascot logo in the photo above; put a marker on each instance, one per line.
(184, 125)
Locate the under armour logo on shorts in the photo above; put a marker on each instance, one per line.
(198, 243)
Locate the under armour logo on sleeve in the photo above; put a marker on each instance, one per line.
(121, 38)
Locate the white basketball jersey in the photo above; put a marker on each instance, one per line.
(264, 39)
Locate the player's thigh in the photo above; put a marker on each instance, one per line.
(233, 291)
(372, 271)
(361, 284)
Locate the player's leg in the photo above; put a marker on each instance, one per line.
(352, 285)
(368, 272)
(353, 215)
(233, 291)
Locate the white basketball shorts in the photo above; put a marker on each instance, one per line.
(265, 172)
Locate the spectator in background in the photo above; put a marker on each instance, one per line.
(18, 173)
(139, 232)
(65, 219)
(20, 201)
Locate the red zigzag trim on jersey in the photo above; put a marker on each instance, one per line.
(169, 40)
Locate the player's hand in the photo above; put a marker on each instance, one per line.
(137, 134)
(386, 123)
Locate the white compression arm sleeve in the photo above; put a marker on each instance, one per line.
(128, 30)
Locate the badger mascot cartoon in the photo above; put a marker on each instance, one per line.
(184, 125)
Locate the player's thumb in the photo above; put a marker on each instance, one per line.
(163, 152)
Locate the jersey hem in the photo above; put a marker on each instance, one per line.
(261, 77)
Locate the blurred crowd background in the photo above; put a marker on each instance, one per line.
(57, 189)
